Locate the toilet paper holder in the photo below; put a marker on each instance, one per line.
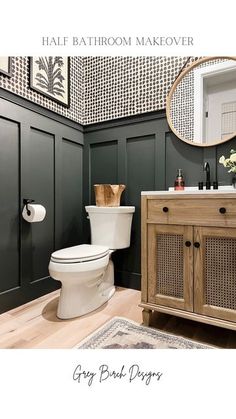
(26, 202)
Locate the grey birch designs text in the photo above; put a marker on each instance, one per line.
(50, 77)
(104, 373)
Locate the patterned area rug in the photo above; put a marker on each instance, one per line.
(120, 333)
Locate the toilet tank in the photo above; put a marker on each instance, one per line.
(110, 226)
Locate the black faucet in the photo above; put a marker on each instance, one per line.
(208, 175)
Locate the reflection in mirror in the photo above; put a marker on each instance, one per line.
(201, 106)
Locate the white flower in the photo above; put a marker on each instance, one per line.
(222, 159)
(233, 158)
(226, 162)
(230, 162)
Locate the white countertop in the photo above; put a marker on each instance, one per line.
(193, 191)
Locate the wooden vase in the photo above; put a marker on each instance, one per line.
(107, 195)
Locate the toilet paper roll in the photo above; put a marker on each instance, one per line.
(37, 213)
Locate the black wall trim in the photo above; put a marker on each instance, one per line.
(16, 297)
(127, 120)
(24, 103)
(128, 280)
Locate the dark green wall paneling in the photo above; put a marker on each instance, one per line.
(140, 160)
(135, 152)
(41, 173)
(9, 205)
(179, 155)
(104, 163)
(148, 158)
(40, 159)
(72, 155)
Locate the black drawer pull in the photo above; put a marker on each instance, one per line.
(197, 245)
(222, 210)
(165, 209)
(188, 243)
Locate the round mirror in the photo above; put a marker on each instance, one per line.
(201, 105)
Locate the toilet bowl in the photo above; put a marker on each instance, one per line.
(82, 270)
(86, 271)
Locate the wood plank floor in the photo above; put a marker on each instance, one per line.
(35, 325)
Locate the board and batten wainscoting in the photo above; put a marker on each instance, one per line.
(142, 153)
(56, 161)
(41, 158)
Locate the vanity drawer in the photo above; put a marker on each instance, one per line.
(211, 212)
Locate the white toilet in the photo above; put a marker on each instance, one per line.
(86, 271)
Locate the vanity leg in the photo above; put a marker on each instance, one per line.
(147, 314)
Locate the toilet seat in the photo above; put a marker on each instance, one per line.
(79, 254)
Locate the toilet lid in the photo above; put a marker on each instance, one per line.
(81, 253)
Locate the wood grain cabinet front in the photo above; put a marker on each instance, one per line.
(189, 258)
(206, 212)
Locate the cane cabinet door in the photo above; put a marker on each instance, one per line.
(170, 266)
(215, 272)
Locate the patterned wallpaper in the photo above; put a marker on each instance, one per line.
(104, 88)
(115, 87)
(182, 107)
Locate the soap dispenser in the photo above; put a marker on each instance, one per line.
(179, 181)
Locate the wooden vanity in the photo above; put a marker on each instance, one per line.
(189, 255)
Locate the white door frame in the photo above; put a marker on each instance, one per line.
(199, 75)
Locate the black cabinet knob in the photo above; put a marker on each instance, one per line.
(165, 209)
(222, 210)
(197, 245)
(188, 243)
